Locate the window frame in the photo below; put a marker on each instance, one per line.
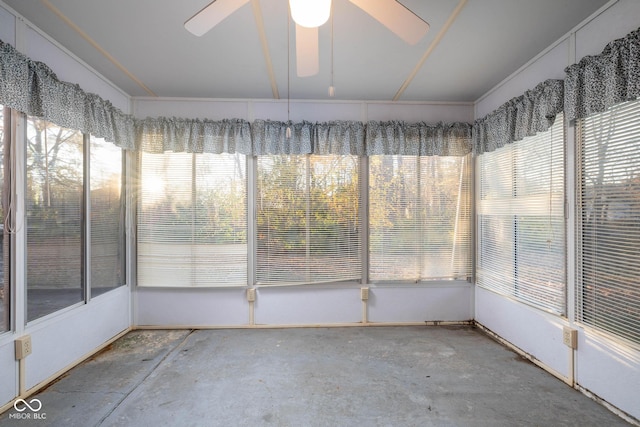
(363, 278)
(511, 212)
(193, 161)
(611, 329)
(20, 241)
(465, 196)
(88, 219)
(7, 323)
(362, 226)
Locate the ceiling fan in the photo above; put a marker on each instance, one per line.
(390, 13)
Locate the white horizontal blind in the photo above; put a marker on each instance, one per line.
(419, 218)
(308, 220)
(107, 216)
(496, 226)
(192, 220)
(608, 293)
(521, 224)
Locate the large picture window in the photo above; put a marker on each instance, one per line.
(54, 201)
(419, 218)
(192, 220)
(608, 151)
(521, 222)
(308, 219)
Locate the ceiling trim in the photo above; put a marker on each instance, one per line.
(430, 49)
(257, 13)
(96, 46)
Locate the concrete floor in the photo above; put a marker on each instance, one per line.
(373, 376)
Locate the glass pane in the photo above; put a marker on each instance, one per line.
(608, 294)
(220, 219)
(540, 275)
(107, 217)
(419, 218)
(192, 220)
(5, 300)
(54, 217)
(394, 229)
(521, 224)
(308, 221)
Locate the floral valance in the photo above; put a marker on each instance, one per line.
(157, 135)
(31, 87)
(598, 82)
(418, 139)
(270, 137)
(526, 115)
(336, 137)
(263, 137)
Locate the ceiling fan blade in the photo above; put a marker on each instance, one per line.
(211, 15)
(396, 17)
(307, 61)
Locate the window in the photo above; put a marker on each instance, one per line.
(107, 216)
(521, 226)
(5, 190)
(192, 220)
(54, 201)
(419, 218)
(308, 219)
(608, 270)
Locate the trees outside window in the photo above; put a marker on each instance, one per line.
(308, 219)
(419, 218)
(54, 203)
(608, 273)
(192, 220)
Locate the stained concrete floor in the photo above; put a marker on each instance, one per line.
(373, 376)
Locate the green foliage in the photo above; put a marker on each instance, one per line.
(307, 204)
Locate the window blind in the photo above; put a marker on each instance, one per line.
(419, 218)
(308, 220)
(192, 220)
(107, 216)
(521, 225)
(54, 210)
(608, 270)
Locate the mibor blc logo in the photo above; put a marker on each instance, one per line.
(28, 410)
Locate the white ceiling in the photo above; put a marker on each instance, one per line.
(153, 55)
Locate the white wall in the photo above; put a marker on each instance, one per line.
(314, 111)
(63, 338)
(7, 26)
(604, 366)
(8, 370)
(68, 337)
(191, 307)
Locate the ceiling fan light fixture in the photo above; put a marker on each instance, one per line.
(310, 13)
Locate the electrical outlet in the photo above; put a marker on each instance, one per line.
(23, 347)
(570, 337)
(251, 295)
(364, 294)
